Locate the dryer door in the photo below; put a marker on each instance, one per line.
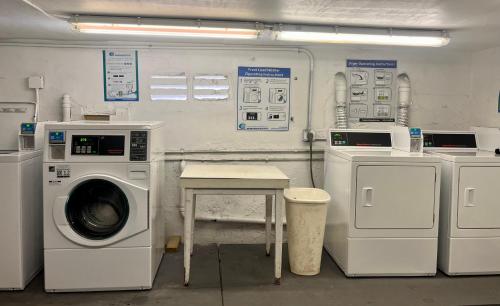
(478, 203)
(395, 197)
(99, 210)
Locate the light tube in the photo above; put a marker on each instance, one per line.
(248, 30)
(365, 39)
(165, 30)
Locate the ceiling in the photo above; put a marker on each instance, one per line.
(473, 25)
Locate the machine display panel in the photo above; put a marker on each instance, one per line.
(57, 137)
(449, 140)
(106, 145)
(28, 128)
(361, 139)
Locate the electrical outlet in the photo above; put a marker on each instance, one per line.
(35, 82)
(321, 134)
(305, 134)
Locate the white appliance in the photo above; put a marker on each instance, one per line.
(469, 234)
(383, 216)
(103, 226)
(21, 250)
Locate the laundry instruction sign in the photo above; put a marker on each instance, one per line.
(371, 90)
(120, 75)
(263, 99)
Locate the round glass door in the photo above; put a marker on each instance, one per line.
(97, 209)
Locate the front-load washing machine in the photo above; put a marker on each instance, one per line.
(383, 217)
(103, 226)
(469, 234)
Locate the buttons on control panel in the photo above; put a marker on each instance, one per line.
(138, 145)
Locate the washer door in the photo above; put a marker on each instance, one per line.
(99, 210)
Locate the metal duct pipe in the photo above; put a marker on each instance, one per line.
(404, 99)
(341, 101)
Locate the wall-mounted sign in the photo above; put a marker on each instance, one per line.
(263, 99)
(371, 90)
(121, 76)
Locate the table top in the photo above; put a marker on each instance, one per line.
(223, 176)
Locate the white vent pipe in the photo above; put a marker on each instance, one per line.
(404, 99)
(66, 108)
(341, 101)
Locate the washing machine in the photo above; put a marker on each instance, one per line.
(383, 216)
(21, 252)
(469, 234)
(103, 225)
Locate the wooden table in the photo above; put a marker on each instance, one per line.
(234, 180)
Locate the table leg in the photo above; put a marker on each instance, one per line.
(188, 206)
(193, 223)
(269, 219)
(279, 202)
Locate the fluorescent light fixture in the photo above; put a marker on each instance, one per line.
(369, 37)
(129, 27)
(251, 30)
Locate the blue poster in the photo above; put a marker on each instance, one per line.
(263, 99)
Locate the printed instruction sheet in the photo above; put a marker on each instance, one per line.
(263, 99)
(371, 90)
(120, 75)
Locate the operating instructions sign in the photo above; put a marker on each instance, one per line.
(371, 90)
(263, 99)
(121, 75)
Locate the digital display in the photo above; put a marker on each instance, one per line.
(449, 140)
(107, 145)
(361, 139)
(57, 137)
(28, 128)
(415, 132)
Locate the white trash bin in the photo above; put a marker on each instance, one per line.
(306, 217)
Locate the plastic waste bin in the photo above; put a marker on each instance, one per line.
(306, 217)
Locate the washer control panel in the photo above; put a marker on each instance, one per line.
(138, 145)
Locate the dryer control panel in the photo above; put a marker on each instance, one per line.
(352, 138)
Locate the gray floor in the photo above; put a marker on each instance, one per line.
(243, 275)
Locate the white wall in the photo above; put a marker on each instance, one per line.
(440, 78)
(485, 82)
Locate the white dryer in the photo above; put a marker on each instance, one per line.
(469, 234)
(382, 220)
(103, 226)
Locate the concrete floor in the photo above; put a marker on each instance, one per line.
(242, 275)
